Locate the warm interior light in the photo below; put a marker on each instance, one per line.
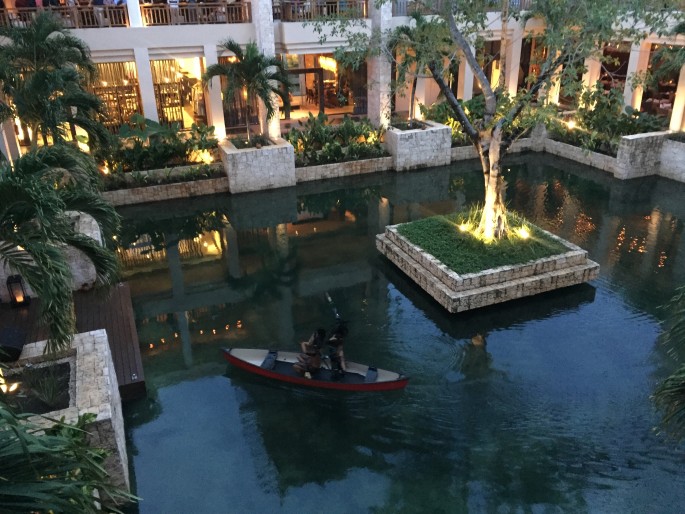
(328, 63)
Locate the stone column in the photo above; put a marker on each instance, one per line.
(147, 88)
(9, 146)
(465, 81)
(215, 109)
(379, 69)
(591, 76)
(678, 115)
(638, 62)
(135, 18)
(263, 22)
(515, 37)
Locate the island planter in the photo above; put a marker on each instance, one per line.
(458, 293)
(257, 169)
(93, 389)
(429, 145)
(673, 159)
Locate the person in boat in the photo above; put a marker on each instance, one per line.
(335, 349)
(309, 361)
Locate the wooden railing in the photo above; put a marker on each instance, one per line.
(303, 10)
(408, 7)
(73, 17)
(196, 13)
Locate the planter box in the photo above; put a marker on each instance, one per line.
(463, 153)
(166, 191)
(343, 169)
(458, 293)
(673, 160)
(639, 155)
(419, 148)
(256, 169)
(574, 153)
(94, 390)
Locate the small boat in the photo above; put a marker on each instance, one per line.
(279, 365)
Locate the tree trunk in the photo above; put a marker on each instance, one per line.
(247, 117)
(493, 222)
(412, 98)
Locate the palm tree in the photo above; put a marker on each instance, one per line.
(253, 74)
(38, 196)
(669, 396)
(43, 72)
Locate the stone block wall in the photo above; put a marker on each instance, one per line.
(94, 390)
(673, 160)
(256, 169)
(343, 169)
(166, 191)
(639, 155)
(463, 153)
(419, 148)
(574, 153)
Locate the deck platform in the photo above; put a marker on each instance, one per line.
(111, 310)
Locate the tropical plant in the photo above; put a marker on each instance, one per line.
(253, 74)
(43, 71)
(53, 470)
(669, 396)
(39, 194)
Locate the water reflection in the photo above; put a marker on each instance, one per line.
(550, 412)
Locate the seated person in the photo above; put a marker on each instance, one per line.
(336, 354)
(309, 360)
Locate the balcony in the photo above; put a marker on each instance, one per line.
(196, 13)
(308, 10)
(73, 17)
(408, 7)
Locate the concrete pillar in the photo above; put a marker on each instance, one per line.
(515, 37)
(9, 146)
(263, 21)
(215, 109)
(465, 81)
(135, 19)
(637, 63)
(593, 69)
(379, 69)
(147, 88)
(678, 115)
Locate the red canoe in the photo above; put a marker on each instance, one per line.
(279, 366)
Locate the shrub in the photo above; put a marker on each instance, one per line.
(318, 142)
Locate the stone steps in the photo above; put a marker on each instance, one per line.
(471, 293)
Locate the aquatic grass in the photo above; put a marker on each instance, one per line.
(449, 238)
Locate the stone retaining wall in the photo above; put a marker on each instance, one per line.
(94, 390)
(639, 155)
(166, 191)
(574, 153)
(343, 169)
(673, 160)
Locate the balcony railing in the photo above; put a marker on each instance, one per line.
(73, 17)
(306, 10)
(408, 7)
(196, 13)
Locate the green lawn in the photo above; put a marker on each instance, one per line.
(460, 251)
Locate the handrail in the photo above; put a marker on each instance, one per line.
(408, 7)
(196, 13)
(306, 10)
(72, 16)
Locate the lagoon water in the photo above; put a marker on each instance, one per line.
(553, 415)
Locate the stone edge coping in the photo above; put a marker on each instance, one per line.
(276, 142)
(92, 379)
(574, 257)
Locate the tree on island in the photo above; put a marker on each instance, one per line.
(570, 32)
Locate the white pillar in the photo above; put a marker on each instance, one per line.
(135, 19)
(593, 69)
(379, 69)
(515, 37)
(263, 21)
(465, 82)
(9, 146)
(678, 115)
(215, 108)
(638, 62)
(147, 88)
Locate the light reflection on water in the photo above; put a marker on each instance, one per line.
(552, 414)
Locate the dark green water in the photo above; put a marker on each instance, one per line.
(553, 416)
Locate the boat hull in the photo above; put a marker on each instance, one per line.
(278, 366)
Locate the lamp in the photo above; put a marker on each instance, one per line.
(18, 296)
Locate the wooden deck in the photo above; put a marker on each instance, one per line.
(111, 310)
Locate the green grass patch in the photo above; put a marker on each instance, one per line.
(463, 253)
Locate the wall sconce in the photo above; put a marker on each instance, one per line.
(18, 296)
